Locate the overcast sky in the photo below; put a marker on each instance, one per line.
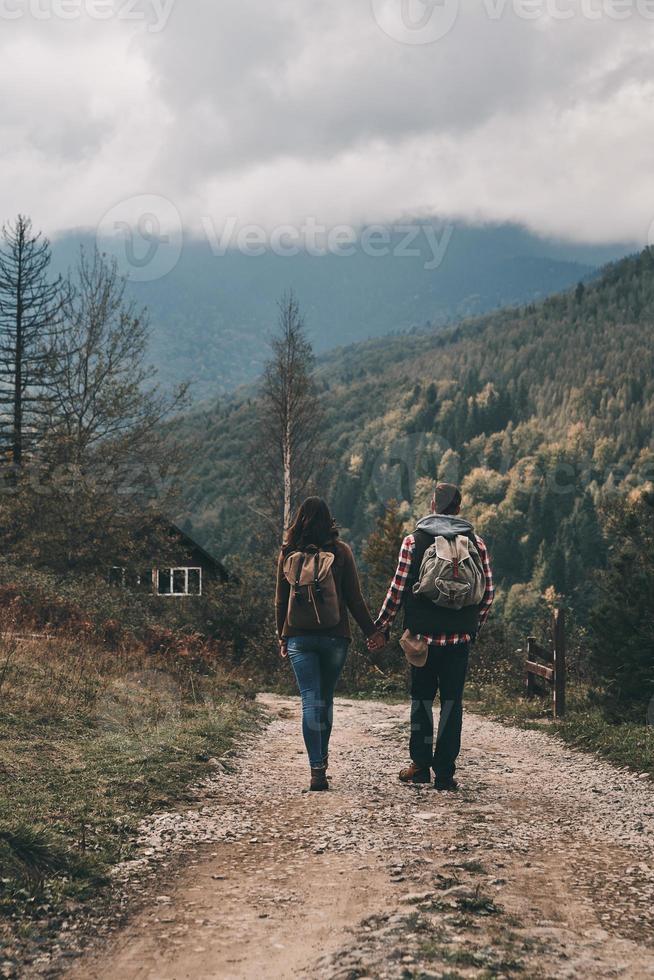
(343, 111)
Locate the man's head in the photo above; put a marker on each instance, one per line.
(446, 499)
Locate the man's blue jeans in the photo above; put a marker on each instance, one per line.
(318, 662)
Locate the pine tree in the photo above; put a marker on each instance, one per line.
(30, 318)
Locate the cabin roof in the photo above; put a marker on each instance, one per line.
(192, 543)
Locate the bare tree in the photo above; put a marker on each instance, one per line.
(30, 317)
(106, 456)
(103, 399)
(286, 453)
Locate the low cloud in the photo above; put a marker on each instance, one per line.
(279, 112)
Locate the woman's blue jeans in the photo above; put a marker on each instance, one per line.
(318, 662)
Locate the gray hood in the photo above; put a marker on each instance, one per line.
(437, 524)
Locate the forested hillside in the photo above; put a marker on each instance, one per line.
(542, 413)
(212, 315)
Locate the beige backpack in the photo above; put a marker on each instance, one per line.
(313, 602)
(452, 573)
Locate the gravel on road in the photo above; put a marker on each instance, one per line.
(541, 866)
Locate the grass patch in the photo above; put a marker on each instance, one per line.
(480, 959)
(473, 867)
(478, 904)
(443, 883)
(624, 743)
(416, 922)
(92, 741)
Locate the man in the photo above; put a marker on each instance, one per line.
(448, 632)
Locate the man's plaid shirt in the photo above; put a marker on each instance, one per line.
(394, 596)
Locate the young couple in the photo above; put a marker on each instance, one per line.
(318, 583)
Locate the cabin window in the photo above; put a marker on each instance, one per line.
(179, 581)
(117, 575)
(194, 581)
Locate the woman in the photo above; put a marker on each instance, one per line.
(318, 653)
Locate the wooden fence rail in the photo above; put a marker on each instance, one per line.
(552, 671)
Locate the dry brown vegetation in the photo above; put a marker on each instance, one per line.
(93, 738)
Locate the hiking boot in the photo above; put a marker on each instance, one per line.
(447, 784)
(318, 780)
(415, 774)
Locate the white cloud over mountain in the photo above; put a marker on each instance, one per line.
(274, 112)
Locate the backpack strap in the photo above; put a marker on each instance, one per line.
(316, 574)
(300, 565)
(422, 542)
(455, 559)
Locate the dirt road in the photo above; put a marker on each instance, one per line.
(540, 867)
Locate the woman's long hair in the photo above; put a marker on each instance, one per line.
(313, 525)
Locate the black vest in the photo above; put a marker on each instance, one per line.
(420, 614)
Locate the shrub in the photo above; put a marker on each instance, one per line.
(494, 661)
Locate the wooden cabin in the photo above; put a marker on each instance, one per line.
(178, 568)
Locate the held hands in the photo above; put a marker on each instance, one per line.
(283, 649)
(376, 642)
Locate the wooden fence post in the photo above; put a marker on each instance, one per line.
(559, 663)
(529, 679)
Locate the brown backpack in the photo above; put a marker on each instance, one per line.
(313, 601)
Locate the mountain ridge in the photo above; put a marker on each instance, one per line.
(211, 316)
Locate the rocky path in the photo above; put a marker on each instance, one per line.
(542, 866)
